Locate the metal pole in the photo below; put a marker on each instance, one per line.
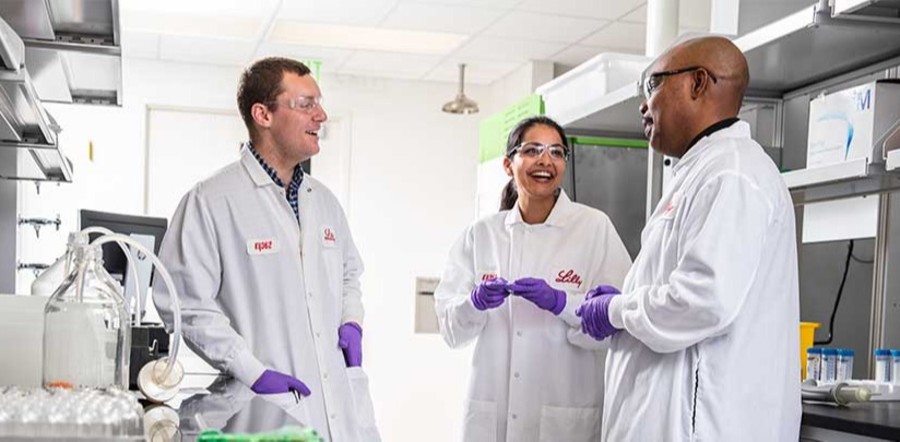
(876, 324)
(662, 25)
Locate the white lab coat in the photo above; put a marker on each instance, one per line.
(257, 292)
(535, 376)
(710, 308)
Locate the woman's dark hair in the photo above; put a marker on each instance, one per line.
(509, 196)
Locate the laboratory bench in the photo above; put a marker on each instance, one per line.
(860, 422)
(209, 402)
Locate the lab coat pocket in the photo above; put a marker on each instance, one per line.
(569, 424)
(288, 402)
(480, 421)
(363, 410)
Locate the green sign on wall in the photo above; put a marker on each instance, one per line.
(495, 129)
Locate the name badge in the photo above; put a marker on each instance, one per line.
(262, 247)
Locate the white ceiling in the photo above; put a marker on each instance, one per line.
(407, 39)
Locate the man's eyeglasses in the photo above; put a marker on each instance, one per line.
(651, 82)
(536, 150)
(304, 103)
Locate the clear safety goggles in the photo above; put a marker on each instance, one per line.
(304, 103)
(533, 149)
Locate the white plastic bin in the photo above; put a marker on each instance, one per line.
(569, 93)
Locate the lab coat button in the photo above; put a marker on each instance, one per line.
(514, 416)
(516, 375)
(518, 333)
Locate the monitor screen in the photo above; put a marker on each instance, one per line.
(147, 230)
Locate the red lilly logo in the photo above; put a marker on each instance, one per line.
(488, 277)
(329, 235)
(569, 277)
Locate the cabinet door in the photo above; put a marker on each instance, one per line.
(614, 180)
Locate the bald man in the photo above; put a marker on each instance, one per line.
(704, 336)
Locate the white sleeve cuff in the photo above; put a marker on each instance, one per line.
(568, 312)
(468, 313)
(246, 368)
(616, 305)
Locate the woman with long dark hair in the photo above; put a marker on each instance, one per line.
(513, 283)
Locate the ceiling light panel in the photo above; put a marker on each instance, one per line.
(441, 18)
(544, 27)
(358, 37)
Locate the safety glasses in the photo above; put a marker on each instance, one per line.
(535, 150)
(651, 82)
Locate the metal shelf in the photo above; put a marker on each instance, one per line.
(34, 163)
(810, 46)
(614, 113)
(878, 10)
(28, 134)
(842, 180)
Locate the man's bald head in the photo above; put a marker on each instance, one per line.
(723, 60)
(692, 86)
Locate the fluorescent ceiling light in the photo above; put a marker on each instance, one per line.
(358, 37)
(243, 28)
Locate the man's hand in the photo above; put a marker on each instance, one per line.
(594, 312)
(273, 382)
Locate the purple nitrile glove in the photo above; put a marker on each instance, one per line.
(540, 293)
(601, 290)
(350, 341)
(594, 313)
(489, 294)
(272, 382)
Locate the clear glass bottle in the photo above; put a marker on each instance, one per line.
(86, 327)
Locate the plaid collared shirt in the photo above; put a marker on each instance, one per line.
(292, 191)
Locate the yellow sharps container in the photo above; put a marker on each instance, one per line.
(807, 335)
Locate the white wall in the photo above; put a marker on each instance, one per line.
(412, 185)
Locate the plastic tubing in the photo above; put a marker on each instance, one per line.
(167, 278)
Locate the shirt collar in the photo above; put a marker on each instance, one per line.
(251, 158)
(558, 215)
(730, 128)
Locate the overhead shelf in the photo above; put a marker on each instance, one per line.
(34, 163)
(841, 180)
(810, 46)
(615, 113)
(73, 48)
(28, 134)
(878, 10)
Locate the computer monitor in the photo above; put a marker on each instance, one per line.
(147, 230)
